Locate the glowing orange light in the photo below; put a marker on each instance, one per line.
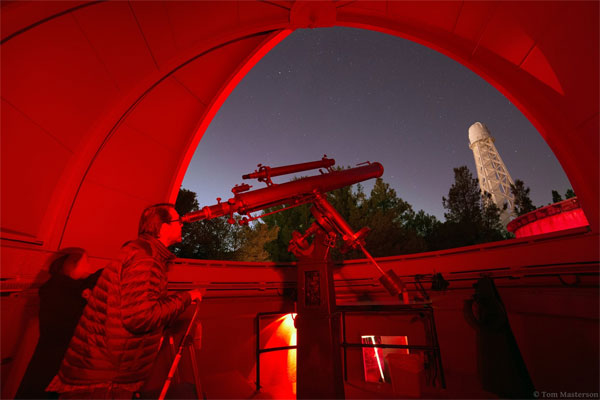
(290, 331)
(287, 325)
(283, 333)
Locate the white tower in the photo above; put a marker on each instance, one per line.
(491, 171)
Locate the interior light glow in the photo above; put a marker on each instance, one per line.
(370, 339)
(378, 360)
(279, 372)
(291, 358)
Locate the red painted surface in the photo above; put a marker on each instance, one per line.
(561, 216)
(264, 173)
(220, 98)
(297, 191)
(103, 105)
(85, 86)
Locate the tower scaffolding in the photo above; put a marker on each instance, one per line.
(492, 173)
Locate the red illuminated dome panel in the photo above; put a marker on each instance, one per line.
(566, 214)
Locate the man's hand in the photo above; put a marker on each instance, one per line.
(196, 295)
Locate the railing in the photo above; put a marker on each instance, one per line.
(432, 349)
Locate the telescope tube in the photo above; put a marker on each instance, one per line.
(286, 193)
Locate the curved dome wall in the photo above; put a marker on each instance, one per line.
(104, 103)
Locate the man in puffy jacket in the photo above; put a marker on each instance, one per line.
(119, 334)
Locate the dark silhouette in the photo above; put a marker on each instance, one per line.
(500, 364)
(115, 342)
(523, 203)
(62, 299)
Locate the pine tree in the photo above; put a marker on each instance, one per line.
(423, 224)
(464, 198)
(556, 197)
(492, 226)
(472, 217)
(388, 217)
(523, 203)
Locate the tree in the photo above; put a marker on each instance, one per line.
(346, 202)
(569, 194)
(472, 217)
(389, 218)
(464, 198)
(186, 202)
(556, 197)
(490, 219)
(422, 224)
(208, 239)
(252, 241)
(387, 237)
(523, 203)
(297, 218)
(384, 199)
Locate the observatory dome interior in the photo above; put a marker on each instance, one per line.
(105, 102)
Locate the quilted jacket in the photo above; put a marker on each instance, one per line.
(119, 333)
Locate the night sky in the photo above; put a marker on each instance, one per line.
(359, 95)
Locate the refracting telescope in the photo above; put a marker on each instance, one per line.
(300, 191)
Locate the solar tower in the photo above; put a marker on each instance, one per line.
(491, 171)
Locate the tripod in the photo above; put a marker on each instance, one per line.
(186, 341)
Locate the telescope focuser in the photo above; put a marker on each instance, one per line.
(242, 187)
